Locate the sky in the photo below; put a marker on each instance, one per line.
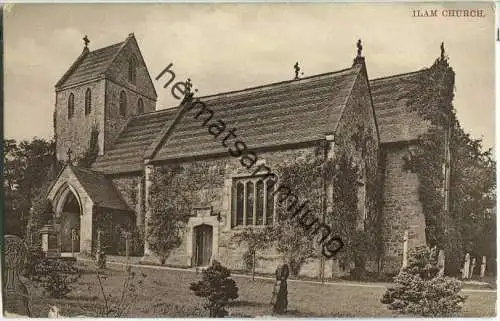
(224, 47)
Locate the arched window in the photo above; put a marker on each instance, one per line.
(250, 197)
(123, 103)
(253, 201)
(132, 69)
(240, 201)
(259, 198)
(71, 105)
(140, 106)
(88, 101)
(270, 201)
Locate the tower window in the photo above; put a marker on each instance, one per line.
(140, 106)
(132, 69)
(71, 106)
(88, 101)
(123, 103)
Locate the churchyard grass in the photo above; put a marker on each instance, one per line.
(166, 294)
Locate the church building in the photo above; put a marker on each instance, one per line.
(107, 97)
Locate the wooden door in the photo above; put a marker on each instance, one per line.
(203, 245)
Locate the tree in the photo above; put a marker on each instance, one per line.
(28, 165)
(169, 212)
(466, 225)
(256, 239)
(217, 287)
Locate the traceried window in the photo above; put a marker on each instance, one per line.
(140, 106)
(132, 69)
(123, 103)
(253, 201)
(71, 106)
(88, 101)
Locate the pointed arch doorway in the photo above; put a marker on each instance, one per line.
(70, 224)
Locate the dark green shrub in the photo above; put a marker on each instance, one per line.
(419, 290)
(217, 287)
(35, 255)
(56, 275)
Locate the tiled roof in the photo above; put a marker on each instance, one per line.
(289, 112)
(126, 155)
(395, 121)
(100, 189)
(90, 65)
(284, 113)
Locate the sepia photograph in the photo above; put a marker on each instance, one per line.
(262, 160)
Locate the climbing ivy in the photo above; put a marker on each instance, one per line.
(92, 151)
(472, 170)
(175, 190)
(309, 179)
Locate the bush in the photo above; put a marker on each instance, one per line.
(56, 276)
(419, 290)
(136, 243)
(217, 288)
(35, 255)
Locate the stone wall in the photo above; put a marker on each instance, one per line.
(131, 190)
(68, 183)
(115, 122)
(218, 195)
(402, 208)
(118, 72)
(357, 131)
(74, 133)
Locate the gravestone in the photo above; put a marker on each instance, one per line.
(279, 300)
(405, 250)
(16, 297)
(441, 261)
(128, 236)
(50, 244)
(483, 267)
(465, 271)
(100, 254)
(473, 266)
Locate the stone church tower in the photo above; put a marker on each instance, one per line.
(99, 94)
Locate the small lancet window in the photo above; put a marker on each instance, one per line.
(140, 106)
(88, 101)
(123, 103)
(71, 106)
(132, 69)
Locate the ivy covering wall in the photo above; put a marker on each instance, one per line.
(449, 163)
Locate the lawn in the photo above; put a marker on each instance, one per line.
(165, 293)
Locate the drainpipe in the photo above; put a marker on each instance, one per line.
(328, 154)
(148, 170)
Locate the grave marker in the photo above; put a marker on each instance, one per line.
(16, 297)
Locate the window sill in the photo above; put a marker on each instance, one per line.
(243, 227)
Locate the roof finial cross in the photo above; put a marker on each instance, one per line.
(297, 69)
(86, 41)
(68, 153)
(360, 47)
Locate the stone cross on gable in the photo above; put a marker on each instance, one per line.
(360, 47)
(86, 41)
(297, 69)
